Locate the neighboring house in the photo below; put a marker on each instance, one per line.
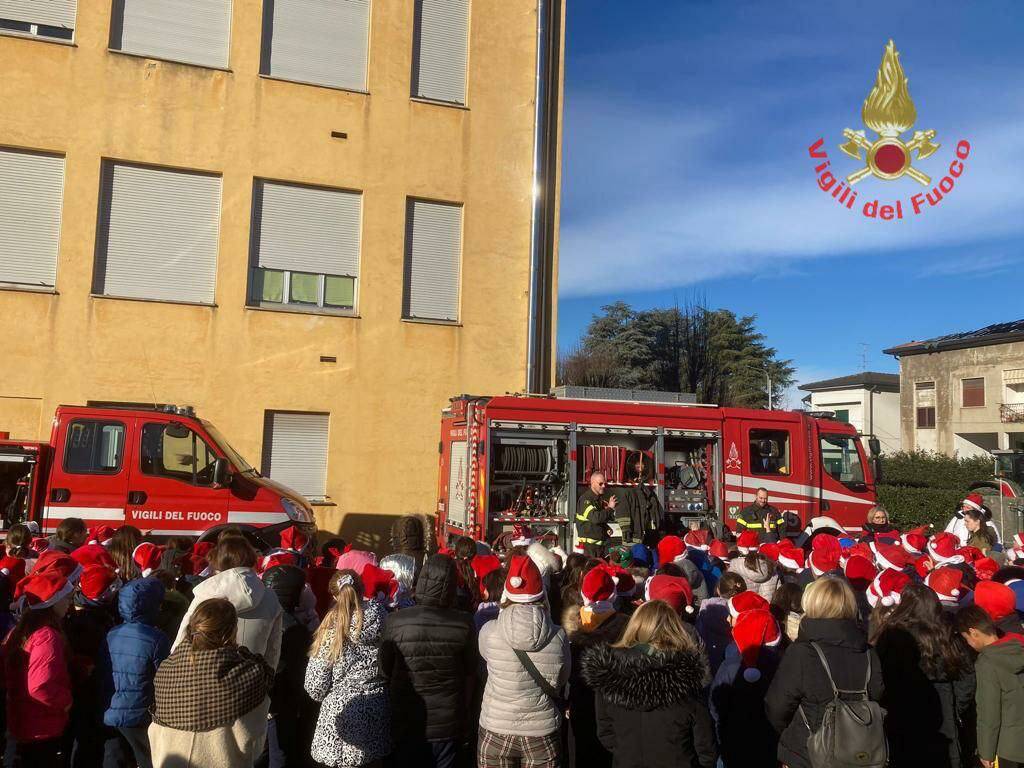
(869, 401)
(963, 394)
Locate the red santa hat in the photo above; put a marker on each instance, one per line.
(93, 554)
(100, 534)
(700, 539)
(886, 587)
(947, 583)
(55, 560)
(625, 584)
(43, 590)
(378, 583)
(860, 572)
(198, 557)
(974, 501)
(276, 558)
(825, 552)
(746, 601)
(674, 590)
(914, 544)
(792, 558)
(670, 548)
(971, 555)
(942, 548)
(747, 542)
(13, 568)
(99, 583)
(40, 544)
(861, 549)
(597, 589)
(524, 584)
(293, 539)
(147, 557)
(771, 550)
(753, 630)
(997, 600)
(985, 568)
(719, 549)
(483, 565)
(891, 556)
(521, 536)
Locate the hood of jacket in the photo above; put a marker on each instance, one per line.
(239, 586)
(638, 678)
(608, 631)
(139, 601)
(435, 587)
(1007, 654)
(526, 627)
(763, 572)
(843, 632)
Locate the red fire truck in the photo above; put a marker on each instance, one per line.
(162, 470)
(517, 459)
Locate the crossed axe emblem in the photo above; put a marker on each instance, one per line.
(888, 157)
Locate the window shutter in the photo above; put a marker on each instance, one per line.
(305, 229)
(159, 234)
(323, 42)
(192, 31)
(295, 451)
(439, 50)
(50, 13)
(31, 189)
(433, 238)
(973, 392)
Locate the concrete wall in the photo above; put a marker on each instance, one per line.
(959, 430)
(392, 377)
(882, 407)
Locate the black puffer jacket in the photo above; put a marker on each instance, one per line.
(428, 654)
(650, 709)
(801, 681)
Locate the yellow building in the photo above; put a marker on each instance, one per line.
(315, 222)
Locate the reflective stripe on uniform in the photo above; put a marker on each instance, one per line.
(589, 541)
(585, 516)
(745, 524)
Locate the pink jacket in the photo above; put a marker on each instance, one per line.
(38, 687)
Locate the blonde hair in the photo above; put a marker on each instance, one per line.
(658, 625)
(344, 622)
(829, 598)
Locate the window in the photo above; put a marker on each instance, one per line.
(769, 452)
(440, 43)
(173, 450)
(433, 246)
(52, 19)
(295, 451)
(305, 247)
(841, 459)
(926, 417)
(158, 234)
(924, 404)
(972, 393)
(323, 42)
(189, 31)
(841, 414)
(31, 189)
(94, 447)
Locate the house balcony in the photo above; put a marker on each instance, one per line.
(1011, 413)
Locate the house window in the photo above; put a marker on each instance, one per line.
(189, 31)
(440, 45)
(305, 247)
(841, 414)
(158, 234)
(94, 447)
(769, 452)
(926, 417)
(295, 451)
(433, 250)
(31, 189)
(322, 42)
(972, 392)
(48, 19)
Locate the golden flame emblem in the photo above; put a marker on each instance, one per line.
(889, 111)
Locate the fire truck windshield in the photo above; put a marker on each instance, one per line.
(234, 456)
(841, 459)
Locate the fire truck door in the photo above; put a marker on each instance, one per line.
(770, 455)
(171, 489)
(89, 477)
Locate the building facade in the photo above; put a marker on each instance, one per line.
(963, 394)
(869, 401)
(315, 222)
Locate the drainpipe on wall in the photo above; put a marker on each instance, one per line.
(540, 332)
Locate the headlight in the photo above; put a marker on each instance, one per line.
(295, 511)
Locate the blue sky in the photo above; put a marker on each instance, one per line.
(686, 170)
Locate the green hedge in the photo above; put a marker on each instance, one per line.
(919, 487)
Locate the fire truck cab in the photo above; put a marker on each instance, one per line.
(162, 470)
(525, 460)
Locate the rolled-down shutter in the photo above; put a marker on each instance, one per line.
(433, 240)
(319, 41)
(51, 13)
(31, 188)
(307, 229)
(159, 234)
(192, 31)
(440, 49)
(295, 451)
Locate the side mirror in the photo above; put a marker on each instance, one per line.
(221, 473)
(874, 446)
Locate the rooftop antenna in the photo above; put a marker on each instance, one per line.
(863, 357)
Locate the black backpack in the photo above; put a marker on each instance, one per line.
(851, 733)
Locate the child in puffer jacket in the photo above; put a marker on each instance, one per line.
(128, 663)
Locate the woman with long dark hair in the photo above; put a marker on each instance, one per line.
(929, 684)
(467, 594)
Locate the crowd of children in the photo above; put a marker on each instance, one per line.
(693, 652)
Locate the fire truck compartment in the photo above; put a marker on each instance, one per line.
(17, 469)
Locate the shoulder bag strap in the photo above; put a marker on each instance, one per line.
(538, 678)
(828, 672)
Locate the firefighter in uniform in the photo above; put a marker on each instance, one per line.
(640, 515)
(761, 518)
(593, 514)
